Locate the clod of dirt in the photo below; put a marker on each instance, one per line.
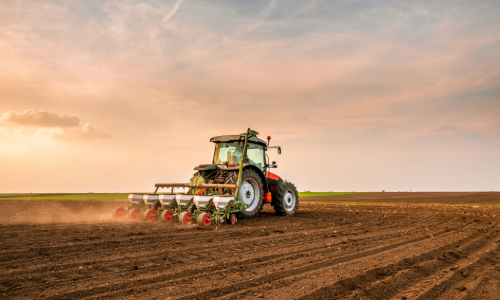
(136, 233)
(206, 228)
(462, 288)
(135, 267)
(449, 257)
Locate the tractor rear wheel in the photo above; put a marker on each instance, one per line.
(251, 193)
(285, 199)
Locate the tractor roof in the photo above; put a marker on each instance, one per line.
(237, 137)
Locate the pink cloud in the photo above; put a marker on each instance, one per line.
(52, 125)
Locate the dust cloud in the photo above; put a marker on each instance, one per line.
(70, 211)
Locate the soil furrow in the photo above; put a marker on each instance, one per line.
(466, 278)
(147, 256)
(271, 277)
(388, 287)
(247, 264)
(412, 250)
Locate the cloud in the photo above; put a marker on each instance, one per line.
(172, 12)
(150, 72)
(82, 132)
(52, 125)
(40, 118)
(446, 130)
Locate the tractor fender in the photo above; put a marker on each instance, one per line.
(273, 181)
(261, 174)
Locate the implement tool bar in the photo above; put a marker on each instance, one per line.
(201, 185)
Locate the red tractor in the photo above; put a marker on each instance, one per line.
(258, 184)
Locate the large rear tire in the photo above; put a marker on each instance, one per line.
(252, 193)
(285, 199)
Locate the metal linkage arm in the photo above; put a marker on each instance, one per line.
(201, 185)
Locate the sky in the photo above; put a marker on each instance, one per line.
(115, 96)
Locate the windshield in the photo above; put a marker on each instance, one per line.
(228, 152)
(231, 153)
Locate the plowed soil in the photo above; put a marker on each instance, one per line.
(75, 250)
(416, 197)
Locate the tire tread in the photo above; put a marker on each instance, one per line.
(277, 197)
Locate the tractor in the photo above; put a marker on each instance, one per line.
(238, 176)
(258, 184)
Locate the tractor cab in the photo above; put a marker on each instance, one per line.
(229, 153)
(229, 149)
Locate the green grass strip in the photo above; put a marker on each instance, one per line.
(342, 202)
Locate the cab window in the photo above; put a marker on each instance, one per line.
(255, 154)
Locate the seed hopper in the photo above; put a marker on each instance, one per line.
(134, 210)
(152, 204)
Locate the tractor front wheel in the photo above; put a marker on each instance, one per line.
(285, 199)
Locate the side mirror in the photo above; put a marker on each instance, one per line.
(279, 150)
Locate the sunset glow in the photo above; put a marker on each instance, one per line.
(114, 96)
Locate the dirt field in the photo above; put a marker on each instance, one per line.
(416, 197)
(74, 250)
